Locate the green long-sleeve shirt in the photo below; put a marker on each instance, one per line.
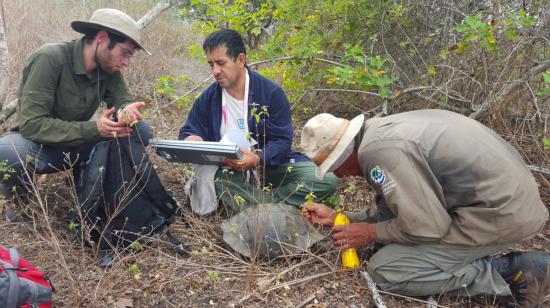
(57, 98)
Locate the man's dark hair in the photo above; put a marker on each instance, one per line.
(230, 38)
(113, 38)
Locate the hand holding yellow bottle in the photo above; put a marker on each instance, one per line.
(350, 260)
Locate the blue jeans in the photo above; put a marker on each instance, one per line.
(20, 158)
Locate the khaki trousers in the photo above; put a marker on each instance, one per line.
(429, 269)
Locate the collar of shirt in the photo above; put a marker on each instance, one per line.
(245, 100)
(78, 61)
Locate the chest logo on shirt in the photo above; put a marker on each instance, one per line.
(378, 175)
(240, 122)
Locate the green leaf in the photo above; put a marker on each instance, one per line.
(136, 246)
(310, 197)
(546, 143)
(461, 28)
(432, 70)
(332, 201)
(134, 270)
(528, 22)
(29, 159)
(239, 200)
(510, 33)
(213, 276)
(384, 92)
(543, 91)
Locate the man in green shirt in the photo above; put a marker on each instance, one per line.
(62, 87)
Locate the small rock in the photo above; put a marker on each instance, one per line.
(124, 303)
(321, 293)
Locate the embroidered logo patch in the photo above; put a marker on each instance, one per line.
(377, 175)
(240, 122)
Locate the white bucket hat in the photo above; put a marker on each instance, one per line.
(114, 21)
(325, 137)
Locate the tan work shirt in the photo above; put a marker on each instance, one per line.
(448, 179)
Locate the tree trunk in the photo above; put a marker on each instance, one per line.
(4, 61)
(162, 6)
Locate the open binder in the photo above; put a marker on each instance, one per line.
(196, 152)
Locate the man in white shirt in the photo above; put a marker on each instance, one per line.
(242, 101)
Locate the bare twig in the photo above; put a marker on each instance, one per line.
(155, 12)
(8, 111)
(373, 290)
(281, 285)
(539, 169)
(432, 303)
(513, 86)
(4, 59)
(412, 299)
(296, 58)
(535, 101)
(306, 301)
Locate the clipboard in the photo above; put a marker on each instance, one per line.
(196, 152)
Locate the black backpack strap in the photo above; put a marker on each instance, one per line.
(90, 187)
(153, 186)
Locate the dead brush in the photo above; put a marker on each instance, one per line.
(49, 21)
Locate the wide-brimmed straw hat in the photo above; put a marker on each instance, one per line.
(114, 21)
(325, 137)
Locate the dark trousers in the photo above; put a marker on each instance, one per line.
(21, 158)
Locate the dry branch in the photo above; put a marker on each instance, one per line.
(7, 111)
(539, 169)
(155, 12)
(4, 60)
(510, 88)
(374, 292)
(306, 301)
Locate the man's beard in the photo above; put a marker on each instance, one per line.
(104, 60)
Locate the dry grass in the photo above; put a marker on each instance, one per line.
(213, 275)
(30, 24)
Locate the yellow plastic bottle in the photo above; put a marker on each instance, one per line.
(349, 256)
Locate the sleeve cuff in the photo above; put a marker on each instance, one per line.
(89, 131)
(382, 234)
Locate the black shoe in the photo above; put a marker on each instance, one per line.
(527, 274)
(179, 246)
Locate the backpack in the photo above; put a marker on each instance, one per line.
(22, 285)
(121, 198)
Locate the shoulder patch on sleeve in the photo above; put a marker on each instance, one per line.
(377, 175)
